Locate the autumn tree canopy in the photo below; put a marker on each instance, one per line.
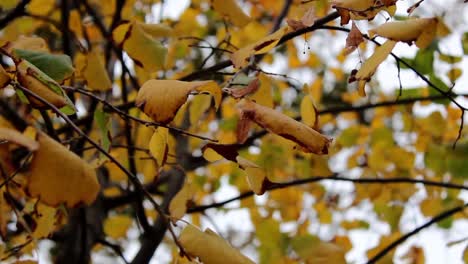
(250, 131)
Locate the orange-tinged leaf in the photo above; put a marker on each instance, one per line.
(160, 99)
(309, 114)
(232, 11)
(95, 74)
(116, 226)
(241, 57)
(209, 247)
(237, 93)
(256, 176)
(57, 175)
(369, 67)
(178, 205)
(421, 30)
(307, 138)
(4, 77)
(158, 145)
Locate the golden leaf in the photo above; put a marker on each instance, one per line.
(256, 176)
(309, 114)
(241, 57)
(232, 11)
(307, 138)
(178, 205)
(369, 67)
(158, 145)
(421, 30)
(57, 175)
(209, 247)
(160, 99)
(116, 226)
(94, 72)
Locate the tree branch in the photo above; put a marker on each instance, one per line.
(18, 11)
(403, 238)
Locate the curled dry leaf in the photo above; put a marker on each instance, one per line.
(160, 99)
(307, 138)
(241, 57)
(361, 9)
(241, 92)
(420, 30)
(57, 175)
(209, 247)
(307, 20)
(256, 176)
(232, 11)
(354, 39)
(369, 67)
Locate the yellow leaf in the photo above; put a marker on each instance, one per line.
(4, 77)
(210, 155)
(57, 175)
(160, 99)
(27, 43)
(307, 138)
(94, 72)
(178, 205)
(453, 74)
(232, 11)
(45, 217)
(256, 176)
(241, 57)
(155, 30)
(421, 30)
(116, 226)
(198, 106)
(13, 136)
(146, 52)
(369, 67)
(158, 145)
(209, 247)
(309, 113)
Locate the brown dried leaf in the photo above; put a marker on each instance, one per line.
(354, 39)
(241, 92)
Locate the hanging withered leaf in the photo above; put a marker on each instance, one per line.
(39, 83)
(241, 57)
(230, 9)
(307, 20)
(160, 99)
(361, 9)
(237, 93)
(369, 67)
(158, 145)
(209, 247)
(140, 45)
(92, 69)
(420, 30)
(256, 176)
(57, 175)
(307, 138)
(354, 39)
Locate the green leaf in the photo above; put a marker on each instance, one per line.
(348, 137)
(410, 93)
(450, 59)
(57, 67)
(423, 61)
(102, 120)
(465, 43)
(441, 85)
(434, 158)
